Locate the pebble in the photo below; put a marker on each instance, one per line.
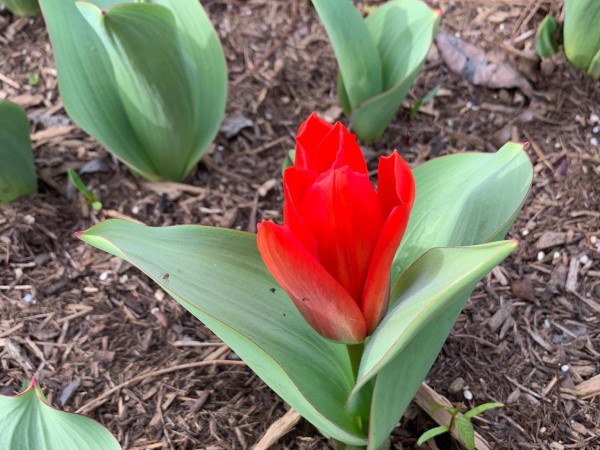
(543, 430)
(468, 394)
(564, 368)
(594, 141)
(103, 276)
(28, 298)
(556, 256)
(596, 130)
(155, 310)
(525, 232)
(583, 259)
(540, 256)
(594, 118)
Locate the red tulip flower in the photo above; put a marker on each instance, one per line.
(334, 251)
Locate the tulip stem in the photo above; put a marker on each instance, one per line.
(355, 352)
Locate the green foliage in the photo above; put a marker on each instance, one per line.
(23, 7)
(27, 422)
(17, 172)
(378, 57)
(423, 101)
(581, 34)
(218, 275)
(83, 189)
(147, 79)
(459, 422)
(545, 37)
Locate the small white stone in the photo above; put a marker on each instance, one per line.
(583, 259)
(28, 298)
(557, 145)
(542, 430)
(525, 232)
(546, 323)
(468, 394)
(556, 256)
(135, 210)
(593, 240)
(565, 368)
(594, 118)
(596, 129)
(155, 310)
(540, 256)
(594, 141)
(457, 35)
(103, 276)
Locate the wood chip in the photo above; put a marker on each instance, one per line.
(500, 316)
(550, 239)
(277, 430)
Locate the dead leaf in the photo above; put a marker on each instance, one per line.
(478, 67)
(234, 124)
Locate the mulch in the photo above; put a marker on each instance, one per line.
(98, 333)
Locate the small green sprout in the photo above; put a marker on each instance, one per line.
(81, 187)
(33, 78)
(423, 101)
(461, 423)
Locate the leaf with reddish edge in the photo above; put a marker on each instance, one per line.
(27, 422)
(219, 276)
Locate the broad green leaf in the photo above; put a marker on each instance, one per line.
(545, 37)
(17, 172)
(354, 48)
(430, 434)
(428, 299)
(464, 199)
(87, 82)
(403, 31)
(151, 89)
(581, 32)
(23, 7)
(465, 431)
(155, 92)
(481, 408)
(28, 422)
(218, 275)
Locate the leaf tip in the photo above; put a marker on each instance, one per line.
(78, 234)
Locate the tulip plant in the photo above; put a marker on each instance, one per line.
(581, 36)
(28, 422)
(344, 307)
(23, 7)
(147, 79)
(378, 57)
(17, 172)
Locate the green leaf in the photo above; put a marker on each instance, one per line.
(423, 101)
(545, 37)
(465, 432)
(429, 434)
(403, 31)
(148, 80)
(23, 7)
(464, 199)
(28, 422)
(218, 275)
(581, 33)
(17, 172)
(356, 53)
(428, 299)
(80, 186)
(482, 408)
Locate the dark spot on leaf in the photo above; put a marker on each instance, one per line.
(272, 290)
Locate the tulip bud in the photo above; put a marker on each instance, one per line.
(147, 79)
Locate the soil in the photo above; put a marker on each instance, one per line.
(84, 322)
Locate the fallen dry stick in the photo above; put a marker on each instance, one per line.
(277, 430)
(427, 397)
(587, 389)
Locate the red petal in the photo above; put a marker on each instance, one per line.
(295, 184)
(321, 300)
(375, 297)
(321, 146)
(396, 184)
(342, 213)
(312, 131)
